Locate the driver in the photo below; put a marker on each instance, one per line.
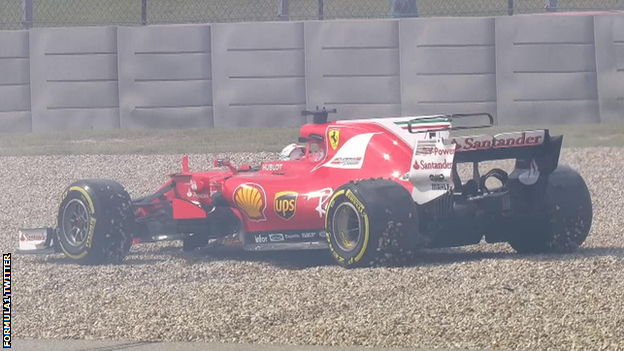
(292, 152)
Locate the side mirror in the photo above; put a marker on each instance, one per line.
(224, 163)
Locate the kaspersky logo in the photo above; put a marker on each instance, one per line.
(250, 198)
(285, 204)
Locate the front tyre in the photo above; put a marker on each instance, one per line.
(371, 222)
(95, 222)
(568, 221)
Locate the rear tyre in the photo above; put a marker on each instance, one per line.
(568, 221)
(96, 222)
(370, 223)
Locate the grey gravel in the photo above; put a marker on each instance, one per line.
(483, 296)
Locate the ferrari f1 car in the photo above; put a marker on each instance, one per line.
(371, 191)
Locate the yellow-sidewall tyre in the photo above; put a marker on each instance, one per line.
(371, 223)
(102, 210)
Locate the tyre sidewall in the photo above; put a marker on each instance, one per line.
(568, 200)
(353, 257)
(85, 195)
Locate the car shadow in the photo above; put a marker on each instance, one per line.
(60, 259)
(456, 255)
(299, 260)
(294, 260)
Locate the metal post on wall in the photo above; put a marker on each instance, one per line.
(510, 7)
(321, 7)
(551, 5)
(284, 10)
(27, 14)
(144, 12)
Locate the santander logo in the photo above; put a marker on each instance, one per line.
(503, 140)
(432, 165)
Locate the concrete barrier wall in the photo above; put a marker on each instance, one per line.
(546, 70)
(259, 74)
(15, 113)
(521, 69)
(448, 65)
(73, 77)
(354, 66)
(609, 38)
(165, 77)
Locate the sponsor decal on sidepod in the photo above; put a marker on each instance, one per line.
(323, 196)
(276, 237)
(285, 204)
(251, 200)
(272, 167)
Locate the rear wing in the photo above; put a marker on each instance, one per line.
(526, 145)
(450, 118)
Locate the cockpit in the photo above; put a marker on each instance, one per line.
(312, 151)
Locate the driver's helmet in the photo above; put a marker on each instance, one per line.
(292, 152)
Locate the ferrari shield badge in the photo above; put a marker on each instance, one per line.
(334, 138)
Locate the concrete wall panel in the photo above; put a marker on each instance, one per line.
(545, 59)
(448, 89)
(15, 116)
(74, 78)
(14, 69)
(259, 77)
(67, 96)
(354, 66)
(546, 71)
(161, 94)
(70, 68)
(345, 63)
(165, 77)
(162, 67)
(287, 63)
(609, 30)
(448, 66)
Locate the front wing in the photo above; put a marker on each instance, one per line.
(38, 241)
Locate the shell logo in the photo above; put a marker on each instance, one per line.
(250, 198)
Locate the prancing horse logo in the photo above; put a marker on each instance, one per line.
(334, 138)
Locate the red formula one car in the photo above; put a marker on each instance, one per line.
(371, 191)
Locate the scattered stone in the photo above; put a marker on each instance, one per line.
(483, 296)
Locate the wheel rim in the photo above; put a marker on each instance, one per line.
(346, 227)
(75, 225)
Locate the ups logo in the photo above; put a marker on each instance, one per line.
(286, 204)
